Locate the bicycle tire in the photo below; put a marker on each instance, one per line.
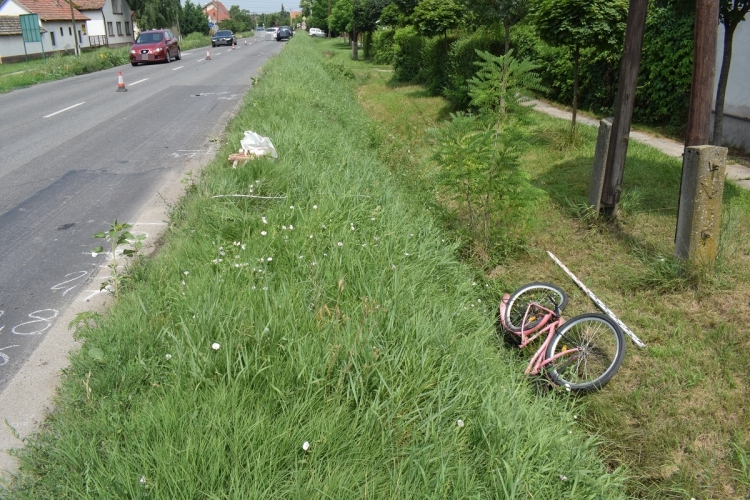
(537, 292)
(602, 350)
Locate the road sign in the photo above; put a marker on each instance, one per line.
(30, 27)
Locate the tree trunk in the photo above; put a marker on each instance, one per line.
(576, 57)
(506, 25)
(726, 60)
(355, 45)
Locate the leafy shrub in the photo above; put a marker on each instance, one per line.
(382, 46)
(461, 68)
(434, 71)
(666, 68)
(407, 54)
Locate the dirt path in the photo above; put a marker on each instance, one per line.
(739, 174)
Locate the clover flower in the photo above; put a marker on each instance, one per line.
(215, 346)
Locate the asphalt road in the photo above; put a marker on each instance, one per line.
(76, 154)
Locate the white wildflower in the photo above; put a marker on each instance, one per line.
(315, 207)
(563, 478)
(263, 233)
(305, 446)
(143, 480)
(264, 220)
(168, 356)
(291, 227)
(215, 346)
(460, 422)
(340, 244)
(269, 259)
(186, 273)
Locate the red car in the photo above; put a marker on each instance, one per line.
(155, 46)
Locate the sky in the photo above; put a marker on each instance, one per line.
(260, 6)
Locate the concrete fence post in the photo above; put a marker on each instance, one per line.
(600, 163)
(699, 215)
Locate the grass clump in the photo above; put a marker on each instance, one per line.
(329, 309)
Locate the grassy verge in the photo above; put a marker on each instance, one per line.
(675, 415)
(341, 319)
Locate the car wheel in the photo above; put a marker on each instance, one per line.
(213, 45)
(134, 63)
(179, 55)
(167, 58)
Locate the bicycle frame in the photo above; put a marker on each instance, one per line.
(539, 360)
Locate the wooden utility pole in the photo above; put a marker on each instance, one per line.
(75, 32)
(703, 166)
(704, 69)
(618, 139)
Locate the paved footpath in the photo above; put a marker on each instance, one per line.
(739, 174)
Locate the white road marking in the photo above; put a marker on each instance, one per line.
(69, 107)
(187, 53)
(178, 67)
(139, 81)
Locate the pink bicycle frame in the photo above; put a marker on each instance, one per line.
(539, 359)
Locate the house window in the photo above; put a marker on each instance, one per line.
(117, 6)
(61, 31)
(119, 28)
(52, 35)
(80, 37)
(70, 31)
(127, 28)
(110, 29)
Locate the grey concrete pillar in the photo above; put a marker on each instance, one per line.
(600, 163)
(699, 215)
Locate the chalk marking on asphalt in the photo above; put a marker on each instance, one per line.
(62, 110)
(139, 81)
(178, 67)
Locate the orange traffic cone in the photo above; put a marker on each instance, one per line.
(120, 83)
(245, 41)
(233, 47)
(208, 55)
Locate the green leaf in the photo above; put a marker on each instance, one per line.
(96, 354)
(100, 235)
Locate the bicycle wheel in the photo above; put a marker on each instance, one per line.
(601, 347)
(544, 294)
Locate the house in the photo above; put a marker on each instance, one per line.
(55, 23)
(11, 41)
(111, 21)
(736, 126)
(216, 12)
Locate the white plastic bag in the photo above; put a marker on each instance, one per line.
(258, 145)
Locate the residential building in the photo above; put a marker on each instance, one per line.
(58, 30)
(111, 21)
(216, 12)
(736, 125)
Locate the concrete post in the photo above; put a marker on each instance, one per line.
(699, 214)
(600, 163)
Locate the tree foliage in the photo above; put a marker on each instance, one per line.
(436, 17)
(578, 24)
(155, 14)
(193, 19)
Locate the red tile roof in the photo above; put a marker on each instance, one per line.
(88, 4)
(216, 10)
(51, 10)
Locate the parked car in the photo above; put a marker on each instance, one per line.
(284, 33)
(223, 37)
(271, 32)
(291, 32)
(155, 46)
(317, 32)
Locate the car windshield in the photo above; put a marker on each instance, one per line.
(223, 33)
(149, 38)
(271, 29)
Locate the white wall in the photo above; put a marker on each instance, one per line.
(737, 98)
(11, 9)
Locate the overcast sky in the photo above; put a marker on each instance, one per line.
(261, 6)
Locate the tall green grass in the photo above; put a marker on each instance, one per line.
(343, 320)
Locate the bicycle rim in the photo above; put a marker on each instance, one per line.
(601, 348)
(539, 293)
